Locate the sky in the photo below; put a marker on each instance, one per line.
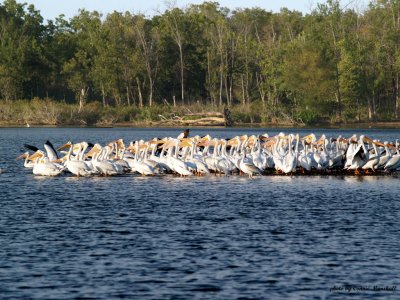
(50, 9)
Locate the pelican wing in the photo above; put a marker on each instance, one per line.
(51, 152)
(30, 147)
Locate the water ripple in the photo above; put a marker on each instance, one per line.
(199, 238)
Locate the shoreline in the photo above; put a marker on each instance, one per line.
(150, 124)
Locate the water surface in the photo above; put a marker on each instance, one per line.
(273, 237)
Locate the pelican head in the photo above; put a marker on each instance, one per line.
(37, 155)
(95, 149)
(367, 140)
(23, 155)
(66, 145)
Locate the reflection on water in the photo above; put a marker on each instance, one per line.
(211, 237)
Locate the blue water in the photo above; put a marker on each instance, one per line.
(272, 237)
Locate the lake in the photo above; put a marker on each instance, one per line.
(211, 237)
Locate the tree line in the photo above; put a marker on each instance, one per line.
(334, 63)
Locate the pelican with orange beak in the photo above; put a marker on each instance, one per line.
(43, 166)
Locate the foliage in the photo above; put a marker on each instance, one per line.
(333, 63)
(307, 117)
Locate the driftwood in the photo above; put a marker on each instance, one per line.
(205, 119)
(208, 114)
(208, 121)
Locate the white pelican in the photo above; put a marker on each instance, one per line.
(43, 167)
(359, 157)
(141, 166)
(160, 166)
(289, 162)
(212, 160)
(78, 167)
(119, 153)
(248, 168)
(268, 152)
(256, 155)
(276, 156)
(337, 154)
(177, 165)
(103, 166)
(306, 158)
(198, 155)
(75, 148)
(384, 158)
(51, 152)
(199, 166)
(394, 162)
(27, 162)
(352, 148)
(224, 155)
(150, 158)
(321, 156)
(373, 159)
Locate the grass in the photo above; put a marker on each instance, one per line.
(50, 112)
(47, 112)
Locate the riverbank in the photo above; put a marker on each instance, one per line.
(49, 113)
(376, 125)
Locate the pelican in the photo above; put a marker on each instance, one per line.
(276, 156)
(43, 167)
(289, 162)
(336, 157)
(51, 153)
(248, 168)
(28, 163)
(256, 154)
(321, 157)
(183, 135)
(177, 165)
(384, 158)
(373, 160)
(231, 167)
(394, 162)
(306, 158)
(140, 166)
(358, 158)
(102, 165)
(249, 154)
(78, 167)
(194, 162)
(75, 148)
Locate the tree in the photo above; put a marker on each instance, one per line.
(147, 41)
(86, 27)
(174, 21)
(21, 61)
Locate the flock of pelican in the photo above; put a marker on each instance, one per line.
(246, 154)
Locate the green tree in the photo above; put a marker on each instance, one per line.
(86, 27)
(21, 60)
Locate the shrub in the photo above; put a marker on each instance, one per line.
(308, 117)
(90, 113)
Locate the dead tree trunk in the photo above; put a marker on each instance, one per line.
(228, 117)
(139, 92)
(82, 98)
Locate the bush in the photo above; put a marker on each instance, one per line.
(308, 117)
(90, 114)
